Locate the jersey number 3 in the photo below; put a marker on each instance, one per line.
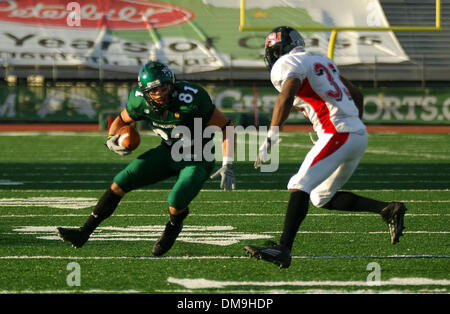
(335, 92)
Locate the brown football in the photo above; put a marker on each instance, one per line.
(129, 137)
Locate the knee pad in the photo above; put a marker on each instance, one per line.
(319, 201)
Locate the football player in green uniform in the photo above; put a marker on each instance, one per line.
(168, 106)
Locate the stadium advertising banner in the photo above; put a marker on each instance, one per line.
(191, 36)
(87, 103)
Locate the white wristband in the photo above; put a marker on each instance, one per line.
(227, 160)
(273, 134)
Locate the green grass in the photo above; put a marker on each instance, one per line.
(49, 180)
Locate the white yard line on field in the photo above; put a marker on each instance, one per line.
(214, 215)
(437, 290)
(168, 258)
(359, 232)
(64, 291)
(267, 201)
(369, 173)
(216, 190)
(409, 154)
(61, 199)
(48, 182)
(202, 283)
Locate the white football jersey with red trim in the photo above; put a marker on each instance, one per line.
(323, 98)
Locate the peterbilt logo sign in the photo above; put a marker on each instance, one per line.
(118, 14)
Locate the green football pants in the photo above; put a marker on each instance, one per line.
(156, 165)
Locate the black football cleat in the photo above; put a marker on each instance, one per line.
(393, 215)
(74, 236)
(167, 239)
(276, 253)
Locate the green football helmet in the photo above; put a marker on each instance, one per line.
(152, 75)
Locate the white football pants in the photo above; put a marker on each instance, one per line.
(328, 165)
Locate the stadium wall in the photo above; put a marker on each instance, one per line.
(91, 103)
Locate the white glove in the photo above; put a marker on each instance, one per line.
(263, 153)
(226, 172)
(111, 143)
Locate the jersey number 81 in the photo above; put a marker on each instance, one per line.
(185, 97)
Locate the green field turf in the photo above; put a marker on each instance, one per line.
(54, 179)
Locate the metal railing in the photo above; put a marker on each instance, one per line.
(420, 68)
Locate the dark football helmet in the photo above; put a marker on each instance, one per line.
(280, 41)
(153, 75)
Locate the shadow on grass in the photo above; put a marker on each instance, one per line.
(68, 176)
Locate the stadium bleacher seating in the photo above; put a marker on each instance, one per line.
(428, 51)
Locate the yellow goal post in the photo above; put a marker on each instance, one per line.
(336, 29)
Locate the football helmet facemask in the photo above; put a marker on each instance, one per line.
(156, 82)
(279, 41)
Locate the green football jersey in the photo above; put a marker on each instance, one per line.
(190, 103)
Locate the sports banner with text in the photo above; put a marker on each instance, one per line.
(190, 36)
(86, 103)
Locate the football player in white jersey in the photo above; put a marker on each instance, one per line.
(311, 83)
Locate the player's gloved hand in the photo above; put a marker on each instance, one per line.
(264, 150)
(227, 174)
(111, 143)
